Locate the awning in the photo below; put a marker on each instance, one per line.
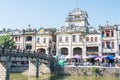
(92, 52)
(90, 56)
(77, 56)
(110, 57)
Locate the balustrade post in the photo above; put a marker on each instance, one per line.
(34, 52)
(23, 51)
(17, 50)
(3, 50)
(37, 67)
(10, 50)
(8, 65)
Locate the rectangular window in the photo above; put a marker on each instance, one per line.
(38, 40)
(74, 38)
(87, 38)
(66, 39)
(96, 39)
(80, 38)
(60, 39)
(44, 40)
(19, 38)
(91, 38)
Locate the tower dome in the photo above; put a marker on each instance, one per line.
(78, 19)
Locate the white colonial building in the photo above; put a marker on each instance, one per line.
(70, 38)
(118, 37)
(76, 37)
(44, 41)
(93, 42)
(109, 40)
(34, 40)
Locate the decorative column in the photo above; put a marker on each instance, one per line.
(71, 50)
(8, 65)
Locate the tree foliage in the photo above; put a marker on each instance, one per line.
(6, 41)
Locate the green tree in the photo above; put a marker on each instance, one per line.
(4, 30)
(6, 41)
(53, 30)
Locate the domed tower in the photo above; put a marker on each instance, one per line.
(77, 18)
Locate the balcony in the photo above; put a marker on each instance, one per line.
(28, 42)
(109, 50)
(92, 44)
(108, 38)
(92, 53)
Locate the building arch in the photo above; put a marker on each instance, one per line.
(77, 50)
(41, 50)
(28, 47)
(64, 51)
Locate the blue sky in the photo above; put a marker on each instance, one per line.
(52, 13)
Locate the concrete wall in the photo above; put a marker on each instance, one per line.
(42, 70)
(2, 71)
(87, 71)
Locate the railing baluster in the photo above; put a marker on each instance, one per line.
(3, 50)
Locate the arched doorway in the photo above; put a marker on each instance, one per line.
(64, 51)
(77, 50)
(41, 51)
(28, 47)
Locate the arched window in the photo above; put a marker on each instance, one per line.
(103, 45)
(108, 45)
(112, 44)
(16, 38)
(107, 34)
(64, 51)
(29, 47)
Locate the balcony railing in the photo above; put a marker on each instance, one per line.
(108, 50)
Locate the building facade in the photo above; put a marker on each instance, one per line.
(71, 37)
(33, 40)
(75, 37)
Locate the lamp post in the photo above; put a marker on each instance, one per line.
(49, 48)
